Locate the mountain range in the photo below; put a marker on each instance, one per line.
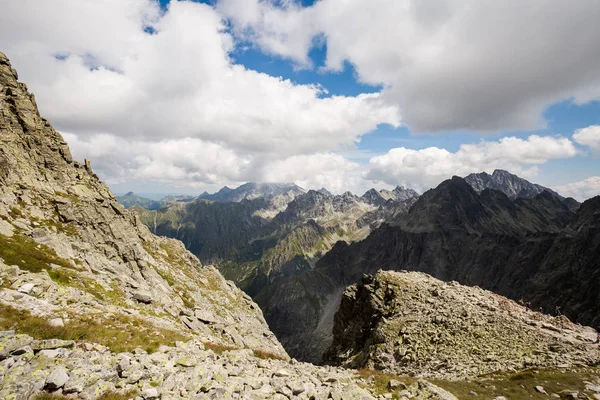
(93, 305)
(476, 230)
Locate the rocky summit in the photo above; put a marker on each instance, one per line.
(409, 323)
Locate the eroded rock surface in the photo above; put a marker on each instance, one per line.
(410, 323)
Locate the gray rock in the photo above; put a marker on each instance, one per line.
(56, 323)
(150, 394)
(26, 288)
(142, 297)
(541, 389)
(57, 379)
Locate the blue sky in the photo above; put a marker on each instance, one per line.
(190, 97)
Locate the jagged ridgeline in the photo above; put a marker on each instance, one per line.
(269, 236)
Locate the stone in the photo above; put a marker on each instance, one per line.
(541, 389)
(187, 361)
(142, 297)
(57, 379)
(150, 394)
(49, 353)
(282, 373)
(56, 323)
(26, 288)
(6, 228)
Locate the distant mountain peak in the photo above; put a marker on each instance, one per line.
(512, 185)
(379, 197)
(253, 190)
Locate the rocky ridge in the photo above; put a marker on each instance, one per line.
(409, 323)
(510, 184)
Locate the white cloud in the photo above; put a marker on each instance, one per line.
(582, 190)
(196, 163)
(589, 136)
(422, 169)
(315, 171)
(173, 89)
(448, 64)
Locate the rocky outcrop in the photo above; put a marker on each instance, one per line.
(409, 323)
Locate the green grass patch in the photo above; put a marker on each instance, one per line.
(111, 395)
(381, 379)
(219, 348)
(119, 333)
(265, 355)
(28, 254)
(522, 384)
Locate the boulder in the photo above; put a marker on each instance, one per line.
(57, 379)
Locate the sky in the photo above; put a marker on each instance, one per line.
(187, 96)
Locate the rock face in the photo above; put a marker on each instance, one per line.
(412, 324)
(70, 225)
(511, 185)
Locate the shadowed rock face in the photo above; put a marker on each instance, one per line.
(536, 249)
(411, 323)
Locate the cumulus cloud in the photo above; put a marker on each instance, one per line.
(173, 99)
(589, 136)
(448, 64)
(196, 163)
(426, 168)
(582, 190)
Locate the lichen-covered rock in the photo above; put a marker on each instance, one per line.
(411, 323)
